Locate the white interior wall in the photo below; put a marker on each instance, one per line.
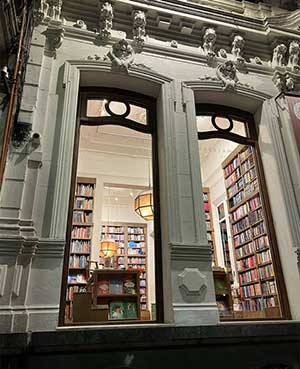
(123, 170)
(212, 154)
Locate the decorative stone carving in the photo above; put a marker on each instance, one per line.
(174, 44)
(192, 282)
(105, 21)
(80, 24)
(227, 73)
(238, 44)
(40, 12)
(222, 53)
(121, 56)
(279, 55)
(209, 40)
(294, 51)
(139, 29)
(286, 81)
(258, 60)
(55, 36)
(54, 9)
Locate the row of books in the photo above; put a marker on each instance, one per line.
(247, 263)
(247, 164)
(240, 226)
(84, 190)
(77, 261)
(82, 217)
(251, 290)
(254, 203)
(247, 249)
(134, 230)
(112, 229)
(83, 203)
(253, 305)
(244, 154)
(116, 237)
(136, 237)
(81, 232)
(264, 257)
(249, 176)
(240, 212)
(136, 251)
(74, 289)
(236, 199)
(255, 216)
(233, 177)
(232, 166)
(269, 287)
(261, 243)
(251, 188)
(242, 237)
(249, 276)
(76, 278)
(135, 260)
(266, 271)
(259, 229)
(116, 286)
(232, 190)
(80, 247)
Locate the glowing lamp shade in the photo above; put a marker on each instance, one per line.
(108, 247)
(143, 205)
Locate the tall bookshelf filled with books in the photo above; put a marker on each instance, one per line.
(131, 239)
(81, 237)
(209, 224)
(258, 291)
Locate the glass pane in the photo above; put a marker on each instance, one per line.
(205, 124)
(96, 108)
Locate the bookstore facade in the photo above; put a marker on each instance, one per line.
(161, 182)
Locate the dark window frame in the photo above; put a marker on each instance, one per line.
(252, 140)
(149, 104)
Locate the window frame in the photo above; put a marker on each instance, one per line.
(252, 140)
(149, 104)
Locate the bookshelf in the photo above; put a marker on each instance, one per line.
(80, 243)
(131, 239)
(209, 223)
(257, 285)
(223, 292)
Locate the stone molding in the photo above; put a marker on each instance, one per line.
(192, 282)
(181, 251)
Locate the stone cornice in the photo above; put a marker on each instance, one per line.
(180, 251)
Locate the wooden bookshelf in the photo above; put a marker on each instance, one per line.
(209, 224)
(80, 244)
(131, 239)
(258, 291)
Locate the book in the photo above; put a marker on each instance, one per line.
(116, 286)
(129, 286)
(131, 310)
(117, 310)
(103, 287)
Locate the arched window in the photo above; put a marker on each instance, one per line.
(246, 265)
(113, 253)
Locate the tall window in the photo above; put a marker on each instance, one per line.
(112, 258)
(246, 266)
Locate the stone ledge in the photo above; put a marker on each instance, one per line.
(109, 338)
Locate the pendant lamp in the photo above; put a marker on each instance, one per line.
(143, 203)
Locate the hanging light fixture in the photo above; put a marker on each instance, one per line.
(143, 203)
(108, 246)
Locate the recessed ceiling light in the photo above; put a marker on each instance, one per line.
(116, 198)
(131, 194)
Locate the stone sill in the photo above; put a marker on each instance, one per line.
(95, 339)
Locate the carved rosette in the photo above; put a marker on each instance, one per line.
(105, 21)
(227, 73)
(139, 29)
(121, 56)
(192, 282)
